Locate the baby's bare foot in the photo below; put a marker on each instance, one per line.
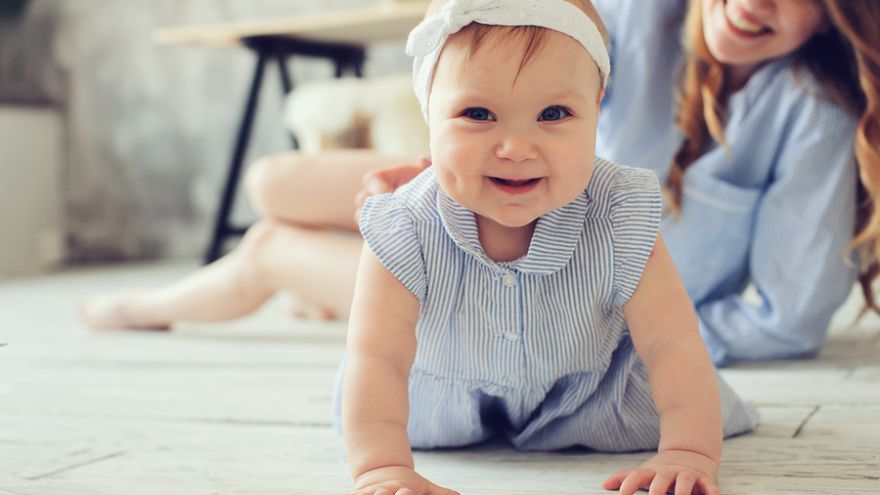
(117, 311)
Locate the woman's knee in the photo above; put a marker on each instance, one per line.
(262, 243)
(269, 186)
(262, 235)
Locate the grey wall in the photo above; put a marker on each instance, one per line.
(149, 128)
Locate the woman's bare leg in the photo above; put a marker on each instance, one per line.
(316, 191)
(272, 256)
(289, 250)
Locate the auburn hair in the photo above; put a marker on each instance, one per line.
(845, 60)
(859, 22)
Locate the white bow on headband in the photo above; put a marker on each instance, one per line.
(426, 41)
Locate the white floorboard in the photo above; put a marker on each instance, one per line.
(245, 407)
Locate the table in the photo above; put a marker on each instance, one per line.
(340, 36)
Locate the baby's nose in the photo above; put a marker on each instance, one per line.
(517, 146)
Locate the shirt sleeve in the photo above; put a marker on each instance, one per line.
(388, 229)
(803, 226)
(608, 12)
(636, 206)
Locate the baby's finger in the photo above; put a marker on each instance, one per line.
(708, 486)
(383, 491)
(439, 490)
(661, 484)
(377, 183)
(404, 491)
(360, 197)
(684, 483)
(613, 482)
(638, 479)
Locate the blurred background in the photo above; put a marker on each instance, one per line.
(114, 148)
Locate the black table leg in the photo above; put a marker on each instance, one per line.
(287, 86)
(222, 227)
(270, 48)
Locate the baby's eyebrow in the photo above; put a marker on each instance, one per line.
(566, 94)
(579, 92)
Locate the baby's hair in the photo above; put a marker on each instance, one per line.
(531, 38)
(840, 59)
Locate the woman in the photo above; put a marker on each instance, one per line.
(749, 122)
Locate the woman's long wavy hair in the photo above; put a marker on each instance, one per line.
(846, 61)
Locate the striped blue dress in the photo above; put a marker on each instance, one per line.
(537, 349)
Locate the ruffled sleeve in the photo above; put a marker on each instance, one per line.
(388, 229)
(636, 206)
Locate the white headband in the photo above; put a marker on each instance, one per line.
(426, 41)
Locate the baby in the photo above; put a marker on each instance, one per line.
(519, 286)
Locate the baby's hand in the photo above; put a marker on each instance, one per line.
(688, 472)
(387, 180)
(396, 480)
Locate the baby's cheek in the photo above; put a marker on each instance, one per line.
(449, 180)
(458, 153)
(443, 142)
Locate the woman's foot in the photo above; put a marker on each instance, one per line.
(301, 309)
(119, 310)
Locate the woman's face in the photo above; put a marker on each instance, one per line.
(746, 33)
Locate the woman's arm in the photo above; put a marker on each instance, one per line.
(608, 12)
(663, 327)
(803, 225)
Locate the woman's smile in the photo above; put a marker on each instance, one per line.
(745, 34)
(743, 23)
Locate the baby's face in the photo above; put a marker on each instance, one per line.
(513, 146)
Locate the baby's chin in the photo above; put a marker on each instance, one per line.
(514, 221)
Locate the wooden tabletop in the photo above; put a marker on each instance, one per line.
(386, 21)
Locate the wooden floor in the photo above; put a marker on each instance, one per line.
(244, 408)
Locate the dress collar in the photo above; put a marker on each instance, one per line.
(555, 238)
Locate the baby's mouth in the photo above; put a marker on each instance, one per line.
(739, 21)
(514, 183)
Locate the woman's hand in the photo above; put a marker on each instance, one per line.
(387, 180)
(684, 471)
(396, 480)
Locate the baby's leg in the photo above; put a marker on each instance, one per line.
(272, 256)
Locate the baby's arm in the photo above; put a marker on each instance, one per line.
(381, 346)
(665, 333)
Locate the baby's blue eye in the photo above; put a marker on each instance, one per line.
(478, 114)
(554, 113)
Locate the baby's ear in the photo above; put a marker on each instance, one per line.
(601, 96)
